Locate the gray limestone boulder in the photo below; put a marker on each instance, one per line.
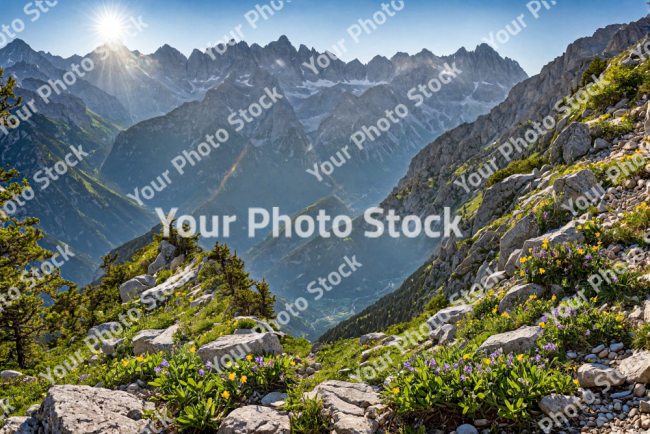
(377, 337)
(567, 233)
(519, 294)
(10, 375)
(499, 198)
(554, 404)
(514, 239)
(571, 144)
(449, 315)
(256, 419)
(579, 189)
(517, 341)
(232, 347)
(165, 257)
(637, 367)
(154, 341)
(133, 288)
(83, 409)
(597, 375)
(111, 346)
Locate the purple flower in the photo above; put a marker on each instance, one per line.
(445, 367)
(254, 368)
(549, 347)
(588, 257)
(462, 378)
(408, 366)
(157, 370)
(208, 364)
(164, 363)
(544, 319)
(587, 333)
(259, 361)
(468, 370)
(201, 372)
(545, 215)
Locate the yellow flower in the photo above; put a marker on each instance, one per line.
(545, 240)
(494, 310)
(505, 314)
(553, 298)
(232, 376)
(532, 297)
(487, 361)
(577, 382)
(396, 390)
(225, 394)
(229, 364)
(597, 234)
(243, 379)
(140, 359)
(522, 260)
(466, 356)
(520, 357)
(192, 349)
(542, 325)
(542, 271)
(125, 363)
(581, 251)
(580, 227)
(249, 357)
(293, 363)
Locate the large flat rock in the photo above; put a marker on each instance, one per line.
(238, 346)
(134, 287)
(347, 403)
(597, 375)
(154, 341)
(519, 294)
(256, 419)
(449, 315)
(83, 409)
(637, 367)
(152, 297)
(517, 341)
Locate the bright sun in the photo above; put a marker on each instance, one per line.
(110, 27)
(110, 24)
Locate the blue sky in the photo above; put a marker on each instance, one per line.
(440, 26)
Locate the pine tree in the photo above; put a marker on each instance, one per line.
(101, 300)
(236, 283)
(266, 300)
(23, 287)
(184, 245)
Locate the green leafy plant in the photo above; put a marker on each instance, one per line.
(307, 414)
(472, 383)
(516, 167)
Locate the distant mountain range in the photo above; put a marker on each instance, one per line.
(135, 113)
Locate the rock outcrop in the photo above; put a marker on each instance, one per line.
(134, 287)
(164, 258)
(518, 341)
(256, 419)
(82, 409)
(349, 405)
(571, 144)
(232, 347)
(154, 341)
